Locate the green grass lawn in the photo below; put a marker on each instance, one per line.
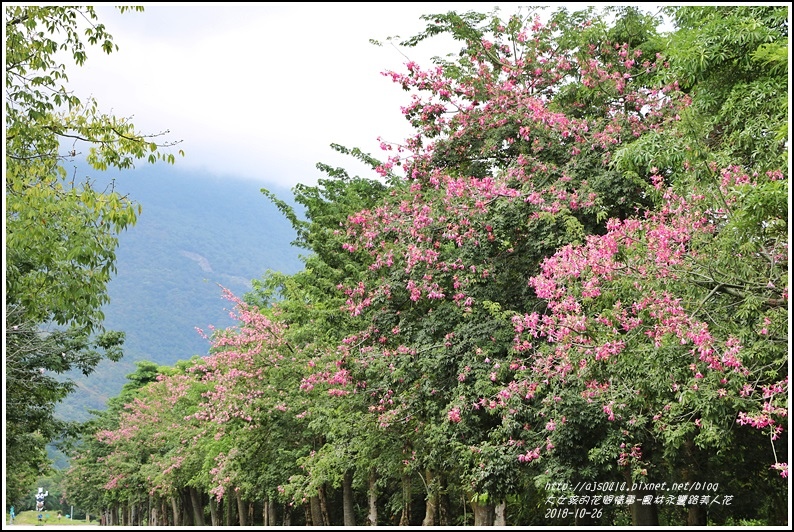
(48, 517)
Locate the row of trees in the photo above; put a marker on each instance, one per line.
(575, 273)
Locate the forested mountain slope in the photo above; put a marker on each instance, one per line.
(196, 231)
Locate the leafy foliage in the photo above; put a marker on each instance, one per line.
(566, 284)
(61, 234)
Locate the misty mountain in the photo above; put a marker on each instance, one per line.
(196, 232)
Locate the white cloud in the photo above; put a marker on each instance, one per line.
(260, 91)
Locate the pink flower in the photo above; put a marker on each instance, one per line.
(530, 455)
(782, 467)
(454, 415)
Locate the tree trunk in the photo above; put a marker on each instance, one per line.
(372, 496)
(348, 511)
(324, 506)
(644, 514)
(251, 513)
(198, 507)
(316, 514)
(241, 511)
(214, 511)
(287, 521)
(444, 511)
(483, 514)
(694, 472)
(187, 507)
(500, 517)
(696, 515)
(228, 514)
(405, 517)
(432, 499)
(164, 511)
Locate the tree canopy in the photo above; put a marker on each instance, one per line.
(560, 301)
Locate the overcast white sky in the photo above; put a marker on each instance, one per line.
(260, 91)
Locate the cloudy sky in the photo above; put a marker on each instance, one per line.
(260, 91)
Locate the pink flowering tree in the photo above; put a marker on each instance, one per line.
(667, 335)
(499, 175)
(342, 450)
(505, 168)
(87, 475)
(202, 432)
(136, 453)
(250, 405)
(149, 448)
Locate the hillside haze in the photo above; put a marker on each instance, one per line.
(196, 232)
